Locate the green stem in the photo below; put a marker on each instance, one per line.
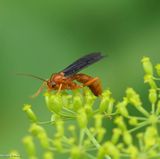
(138, 127)
(143, 111)
(139, 118)
(94, 141)
(82, 133)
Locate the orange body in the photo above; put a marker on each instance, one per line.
(60, 82)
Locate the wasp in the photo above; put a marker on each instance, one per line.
(66, 79)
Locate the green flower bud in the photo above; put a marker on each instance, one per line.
(152, 95)
(116, 135)
(29, 145)
(140, 136)
(153, 119)
(149, 79)
(72, 140)
(98, 121)
(54, 102)
(82, 118)
(150, 137)
(88, 109)
(77, 102)
(147, 65)
(30, 113)
(121, 108)
(133, 121)
(66, 100)
(48, 155)
(58, 144)
(110, 106)
(104, 104)
(127, 138)
(120, 146)
(41, 134)
(36, 129)
(101, 153)
(158, 69)
(111, 150)
(133, 97)
(43, 140)
(90, 99)
(133, 151)
(120, 122)
(76, 152)
(100, 134)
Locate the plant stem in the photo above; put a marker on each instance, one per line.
(82, 133)
(138, 127)
(94, 141)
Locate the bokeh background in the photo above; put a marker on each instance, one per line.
(42, 37)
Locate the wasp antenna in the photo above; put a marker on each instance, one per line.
(30, 75)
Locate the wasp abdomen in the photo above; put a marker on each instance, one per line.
(94, 85)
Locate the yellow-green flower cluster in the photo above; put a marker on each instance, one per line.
(79, 123)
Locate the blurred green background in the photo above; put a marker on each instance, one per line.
(43, 37)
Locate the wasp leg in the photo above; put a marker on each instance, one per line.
(91, 81)
(59, 89)
(39, 90)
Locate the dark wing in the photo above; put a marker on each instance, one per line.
(82, 63)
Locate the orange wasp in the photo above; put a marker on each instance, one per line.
(65, 79)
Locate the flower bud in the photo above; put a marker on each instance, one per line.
(121, 107)
(152, 96)
(31, 115)
(100, 134)
(111, 150)
(133, 151)
(36, 129)
(150, 137)
(149, 79)
(88, 109)
(89, 98)
(106, 93)
(54, 102)
(158, 69)
(29, 145)
(77, 102)
(82, 118)
(120, 122)
(133, 97)
(110, 106)
(58, 144)
(48, 155)
(98, 121)
(76, 152)
(41, 134)
(104, 104)
(127, 138)
(133, 121)
(116, 135)
(147, 65)
(43, 138)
